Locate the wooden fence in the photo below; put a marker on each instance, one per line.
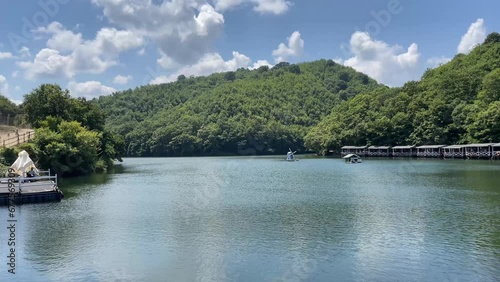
(18, 139)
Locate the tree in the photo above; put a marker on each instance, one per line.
(46, 100)
(71, 149)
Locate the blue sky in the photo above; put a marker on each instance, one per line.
(96, 47)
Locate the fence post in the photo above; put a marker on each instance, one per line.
(4, 143)
(18, 139)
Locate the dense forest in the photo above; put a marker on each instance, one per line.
(455, 103)
(316, 106)
(262, 111)
(310, 107)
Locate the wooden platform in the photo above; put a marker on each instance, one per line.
(31, 192)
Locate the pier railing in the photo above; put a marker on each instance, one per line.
(37, 181)
(33, 182)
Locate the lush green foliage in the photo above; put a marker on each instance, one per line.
(243, 112)
(70, 138)
(50, 100)
(458, 102)
(7, 107)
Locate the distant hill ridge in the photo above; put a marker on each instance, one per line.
(315, 106)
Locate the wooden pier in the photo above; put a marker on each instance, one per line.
(356, 150)
(430, 151)
(467, 151)
(30, 190)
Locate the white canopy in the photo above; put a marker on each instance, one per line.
(351, 156)
(23, 164)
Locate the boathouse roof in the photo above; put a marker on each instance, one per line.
(496, 145)
(431, 146)
(479, 145)
(379, 147)
(354, 147)
(454, 147)
(403, 147)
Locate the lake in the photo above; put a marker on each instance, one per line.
(264, 219)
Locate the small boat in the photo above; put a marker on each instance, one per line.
(352, 159)
(290, 156)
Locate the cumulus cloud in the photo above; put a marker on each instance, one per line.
(184, 30)
(121, 79)
(208, 64)
(4, 86)
(47, 63)
(5, 55)
(89, 89)
(272, 6)
(295, 48)
(275, 7)
(474, 36)
(260, 63)
(222, 5)
(387, 64)
(68, 54)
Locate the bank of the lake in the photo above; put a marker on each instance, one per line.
(264, 219)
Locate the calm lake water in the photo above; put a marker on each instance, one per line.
(264, 219)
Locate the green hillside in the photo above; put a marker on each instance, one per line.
(458, 102)
(262, 111)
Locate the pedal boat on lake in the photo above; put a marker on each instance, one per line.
(290, 156)
(34, 186)
(352, 159)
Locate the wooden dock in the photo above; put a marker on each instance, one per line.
(37, 190)
(466, 151)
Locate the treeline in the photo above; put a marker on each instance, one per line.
(263, 111)
(70, 138)
(317, 107)
(456, 103)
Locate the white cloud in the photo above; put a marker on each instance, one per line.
(260, 63)
(5, 55)
(4, 86)
(89, 89)
(184, 30)
(47, 62)
(166, 62)
(474, 36)
(68, 54)
(437, 61)
(275, 7)
(390, 65)
(141, 52)
(208, 64)
(62, 39)
(272, 6)
(222, 5)
(295, 48)
(121, 79)
(15, 74)
(25, 52)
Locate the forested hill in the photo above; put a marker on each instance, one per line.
(262, 111)
(458, 102)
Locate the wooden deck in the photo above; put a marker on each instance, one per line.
(29, 187)
(32, 190)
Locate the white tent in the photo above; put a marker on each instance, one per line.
(23, 164)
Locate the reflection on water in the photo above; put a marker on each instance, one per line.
(264, 219)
